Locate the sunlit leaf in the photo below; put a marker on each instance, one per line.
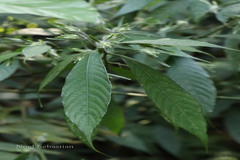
(175, 42)
(72, 10)
(34, 50)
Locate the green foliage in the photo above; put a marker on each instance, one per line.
(199, 8)
(84, 61)
(231, 122)
(133, 5)
(35, 49)
(171, 142)
(71, 10)
(54, 72)
(174, 104)
(7, 69)
(195, 80)
(28, 156)
(175, 42)
(114, 118)
(7, 56)
(230, 11)
(86, 96)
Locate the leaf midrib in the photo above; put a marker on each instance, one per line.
(87, 88)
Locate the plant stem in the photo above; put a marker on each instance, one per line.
(59, 90)
(228, 98)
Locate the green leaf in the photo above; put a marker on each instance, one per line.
(225, 2)
(8, 156)
(85, 96)
(8, 147)
(34, 50)
(7, 56)
(232, 56)
(6, 69)
(195, 80)
(176, 52)
(54, 72)
(168, 140)
(114, 118)
(199, 8)
(133, 5)
(192, 49)
(231, 121)
(122, 71)
(175, 104)
(169, 10)
(133, 137)
(28, 156)
(175, 42)
(228, 12)
(72, 10)
(43, 132)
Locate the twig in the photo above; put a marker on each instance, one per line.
(131, 94)
(59, 90)
(228, 98)
(30, 91)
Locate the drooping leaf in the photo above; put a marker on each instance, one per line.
(169, 10)
(175, 42)
(54, 72)
(136, 137)
(199, 8)
(220, 107)
(133, 5)
(85, 96)
(130, 140)
(168, 140)
(73, 10)
(174, 104)
(232, 120)
(195, 80)
(228, 12)
(6, 70)
(34, 50)
(7, 56)
(220, 67)
(114, 118)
